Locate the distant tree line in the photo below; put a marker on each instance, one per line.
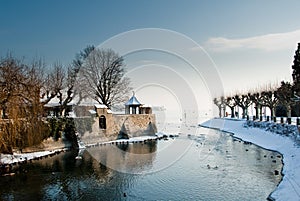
(25, 89)
(281, 101)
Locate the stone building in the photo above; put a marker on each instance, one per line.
(133, 106)
(138, 120)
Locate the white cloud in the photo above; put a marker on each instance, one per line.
(269, 42)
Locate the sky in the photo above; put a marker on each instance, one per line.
(250, 43)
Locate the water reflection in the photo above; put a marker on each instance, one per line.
(127, 158)
(244, 172)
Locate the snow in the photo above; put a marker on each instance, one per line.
(72, 114)
(130, 140)
(146, 105)
(277, 137)
(92, 112)
(100, 106)
(17, 158)
(284, 143)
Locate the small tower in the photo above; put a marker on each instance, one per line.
(132, 105)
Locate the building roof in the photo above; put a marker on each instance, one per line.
(100, 106)
(92, 112)
(146, 106)
(133, 101)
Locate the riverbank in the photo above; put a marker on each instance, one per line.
(8, 162)
(289, 187)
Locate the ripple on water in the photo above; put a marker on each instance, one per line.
(240, 174)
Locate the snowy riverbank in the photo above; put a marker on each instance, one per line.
(289, 188)
(9, 160)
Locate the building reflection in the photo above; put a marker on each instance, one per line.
(127, 158)
(64, 177)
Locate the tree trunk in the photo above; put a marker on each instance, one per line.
(257, 110)
(220, 111)
(244, 112)
(272, 111)
(260, 110)
(232, 112)
(289, 107)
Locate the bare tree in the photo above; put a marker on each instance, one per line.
(20, 104)
(10, 79)
(270, 100)
(257, 100)
(60, 83)
(76, 84)
(244, 102)
(53, 83)
(220, 103)
(230, 102)
(103, 75)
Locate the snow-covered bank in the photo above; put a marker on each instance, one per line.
(13, 159)
(126, 141)
(289, 188)
(18, 158)
(49, 147)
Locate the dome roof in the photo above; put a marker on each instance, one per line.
(133, 101)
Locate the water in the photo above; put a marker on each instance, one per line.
(209, 165)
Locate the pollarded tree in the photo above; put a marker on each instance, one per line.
(269, 99)
(230, 102)
(243, 101)
(103, 73)
(220, 103)
(257, 100)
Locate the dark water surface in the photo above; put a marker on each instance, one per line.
(207, 166)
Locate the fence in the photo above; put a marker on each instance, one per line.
(287, 120)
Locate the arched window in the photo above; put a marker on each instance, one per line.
(102, 122)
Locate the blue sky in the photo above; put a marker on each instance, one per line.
(251, 42)
(58, 29)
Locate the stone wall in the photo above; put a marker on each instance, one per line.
(132, 125)
(135, 125)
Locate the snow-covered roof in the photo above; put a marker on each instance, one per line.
(146, 105)
(75, 101)
(133, 101)
(55, 104)
(92, 112)
(100, 106)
